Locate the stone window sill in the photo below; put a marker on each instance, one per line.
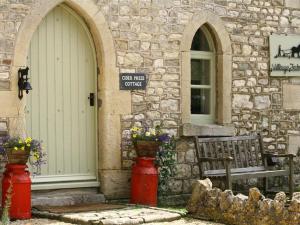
(210, 130)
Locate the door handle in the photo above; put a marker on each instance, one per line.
(92, 99)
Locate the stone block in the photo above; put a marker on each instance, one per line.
(133, 59)
(115, 183)
(291, 96)
(292, 3)
(242, 101)
(189, 129)
(183, 171)
(262, 102)
(293, 143)
(4, 84)
(3, 128)
(170, 105)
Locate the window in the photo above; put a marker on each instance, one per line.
(203, 78)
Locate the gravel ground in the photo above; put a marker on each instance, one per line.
(184, 221)
(38, 222)
(187, 221)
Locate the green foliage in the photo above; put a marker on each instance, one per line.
(5, 220)
(166, 161)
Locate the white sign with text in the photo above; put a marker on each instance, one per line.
(284, 55)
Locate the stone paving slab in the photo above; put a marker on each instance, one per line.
(128, 216)
(183, 221)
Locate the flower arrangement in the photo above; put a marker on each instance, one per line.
(18, 145)
(148, 134)
(165, 157)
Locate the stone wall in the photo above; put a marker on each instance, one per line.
(212, 203)
(147, 35)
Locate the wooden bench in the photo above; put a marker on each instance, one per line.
(238, 157)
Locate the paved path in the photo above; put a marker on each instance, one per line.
(131, 215)
(184, 221)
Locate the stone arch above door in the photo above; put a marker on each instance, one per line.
(109, 136)
(224, 58)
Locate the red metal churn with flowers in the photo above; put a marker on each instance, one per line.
(144, 182)
(17, 176)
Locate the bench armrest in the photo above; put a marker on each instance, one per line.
(280, 155)
(208, 159)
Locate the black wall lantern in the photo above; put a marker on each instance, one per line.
(23, 82)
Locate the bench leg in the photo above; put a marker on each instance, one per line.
(228, 183)
(265, 180)
(291, 177)
(228, 175)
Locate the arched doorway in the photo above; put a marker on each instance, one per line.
(113, 179)
(62, 108)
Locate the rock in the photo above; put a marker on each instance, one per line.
(4, 75)
(296, 196)
(262, 102)
(295, 203)
(199, 191)
(213, 198)
(133, 59)
(265, 205)
(281, 197)
(183, 171)
(242, 101)
(255, 195)
(226, 199)
(247, 49)
(3, 127)
(238, 202)
(170, 105)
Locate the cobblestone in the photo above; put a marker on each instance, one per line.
(127, 216)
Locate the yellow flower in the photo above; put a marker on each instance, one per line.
(28, 140)
(16, 148)
(134, 135)
(134, 129)
(152, 131)
(20, 141)
(22, 148)
(28, 145)
(36, 156)
(147, 133)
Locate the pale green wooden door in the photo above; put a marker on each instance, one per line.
(58, 111)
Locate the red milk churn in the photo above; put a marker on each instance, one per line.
(17, 176)
(144, 181)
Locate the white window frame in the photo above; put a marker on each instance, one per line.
(211, 56)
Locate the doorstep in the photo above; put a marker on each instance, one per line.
(64, 197)
(129, 215)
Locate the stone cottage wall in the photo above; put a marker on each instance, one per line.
(147, 36)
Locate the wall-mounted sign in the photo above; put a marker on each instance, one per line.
(133, 81)
(285, 55)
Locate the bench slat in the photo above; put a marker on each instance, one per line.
(246, 174)
(233, 138)
(256, 148)
(235, 170)
(234, 153)
(246, 153)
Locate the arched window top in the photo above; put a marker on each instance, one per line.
(202, 40)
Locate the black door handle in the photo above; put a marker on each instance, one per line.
(92, 99)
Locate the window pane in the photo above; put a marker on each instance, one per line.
(200, 71)
(200, 101)
(200, 42)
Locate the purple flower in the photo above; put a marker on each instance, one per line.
(164, 138)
